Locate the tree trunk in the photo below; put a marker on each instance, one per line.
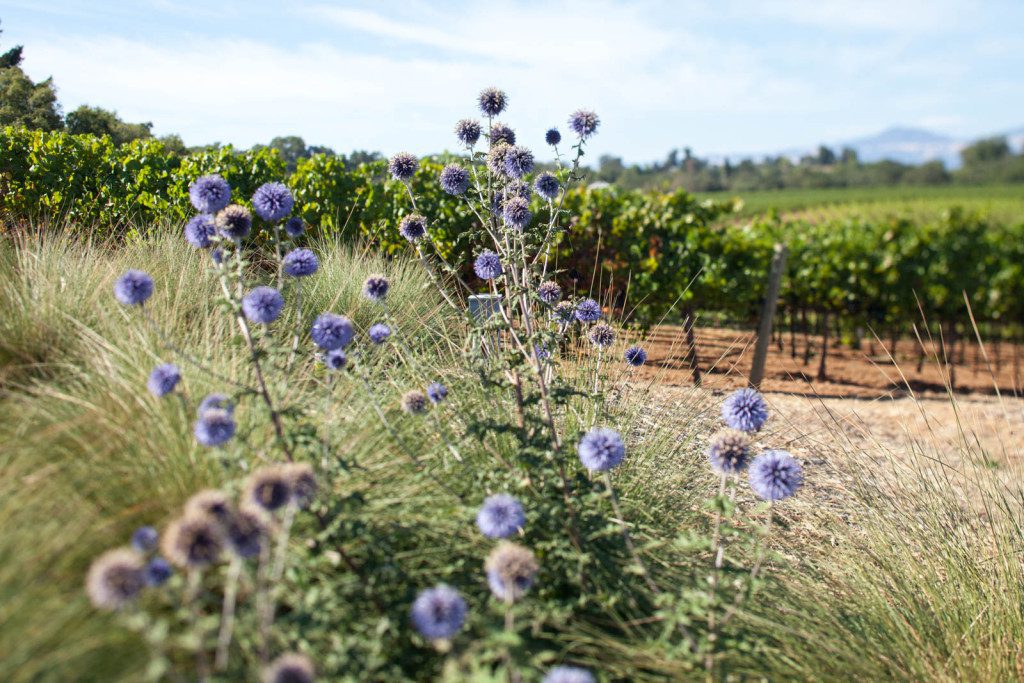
(807, 336)
(822, 372)
(922, 353)
(691, 346)
(792, 332)
(949, 351)
(894, 338)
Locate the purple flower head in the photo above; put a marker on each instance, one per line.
(635, 356)
(234, 222)
(272, 201)
(210, 193)
(300, 262)
(584, 123)
(588, 311)
(332, 331)
(437, 392)
(376, 287)
(496, 159)
(403, 166)
(336, 359)
(467, 131)
(487, 265)
(262, 305)
(549, 292)
(215, 402)
(454, 179)
(775, 475)
(500, 516)
(547, 186)
(214, 427)
(729, 451)
(294, 227)
(516, 213)
(133, 288)
(745, 410)
(492, 102)
(413, 227)
(438, 612)
(500, 133)
(217, 255)
(569, 674)
(163, 379)
(552, 137)
(601, 449)
(518, 161)
(145, 539)
(518, 188)
(200, 230)
(379, 333)
(542, 352)
(157, 571)
(564, 312)
(602, 335)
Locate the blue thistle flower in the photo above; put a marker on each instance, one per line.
(547, 186)
(500, 133)
(163, 379)
(376, 287)
(157, 571)
(588, 311)
(454, 179)
(549, 292)
(215, 402)
(552, 137)
(775, 475)
(745, 409)
(272, 201)
(145, 539)
(496, 159)
(602, 335)
(133, 288)
(437, 392)
(510, 566)
(542, 352)
(438, 612)
(262, 305)
(500, 516)
(200, 230)
(729, 451)
(336, 359)
(487, 265)
(332, 331)
(517, 213)
(234, 222)
(601, 449)
(467, 131)
(300, 262)
(584, 123)
(217, 255)
(569, 674)
(214, 427)
(379, 333)
(518, 161)
(294, 227)
(518, 188)
(413, 227)
(210, 193)
(635, 356)
(492, 101)
(564, 312)
(403, 166)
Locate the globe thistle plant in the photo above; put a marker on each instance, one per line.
(133, 288)
(247, 531)
(438, 612)
(294, 227)
(584, 123)
(552, 137)
(601, 335)
(262, 305)
(272, 201)
(492, 102)
(300, 262)
(234, 222)
(564, 313)
(568, 674)
(115, 579)
(210, 193)
(379, 333)
(267, 488)
(588, 311)
(376, 287)
(290, 668)
(549, 292)
(214, 427)
(193, 541)
(635, 356)
(518, 161)
(403, 166)
(745, 409)
(157, 571)
(775, 475)
(500, 516)
(502, 135)
(332, 331)
(467, 131)
(547, 186)
(335, 360)
(413, 227)
(212, 503)
(601, 449)
(487, 265)
(437, 392)
(301, 482)
(145, 539)
(496, 158)
(163, 379)
(511, 569)
(516, 213)
(218, 401)
(414, 402)
(729, 451)
(200, 231)
(217, 256)
(454, 179)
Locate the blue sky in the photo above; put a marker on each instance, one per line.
(728, 76)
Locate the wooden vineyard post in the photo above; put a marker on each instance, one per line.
(764, 329)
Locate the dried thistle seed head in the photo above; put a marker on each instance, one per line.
(510, 567)
(729, 451)
(195, 540)
(115, 578)
(290, 668)
(267, 488)
(247, 531)
(414, 402)
(210, 502)
(301, 481)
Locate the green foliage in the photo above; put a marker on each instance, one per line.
(88, 120)
(24, 103)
